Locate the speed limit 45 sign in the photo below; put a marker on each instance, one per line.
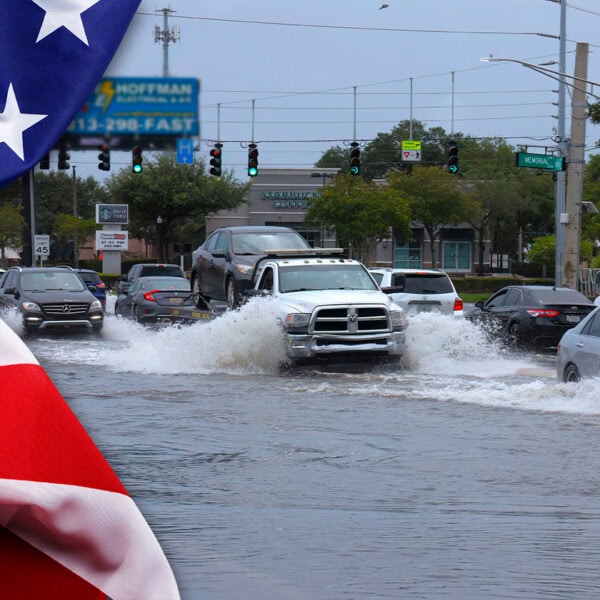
(42, 245)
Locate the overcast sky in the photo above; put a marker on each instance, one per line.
(301, 60)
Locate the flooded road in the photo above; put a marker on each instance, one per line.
(463, 472)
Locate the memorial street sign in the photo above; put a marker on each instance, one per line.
(548, 162)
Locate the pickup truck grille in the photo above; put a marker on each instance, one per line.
(65, 310)
(351, 319)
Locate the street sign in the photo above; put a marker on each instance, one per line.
(548, 162)
(411, 150)
(42, 245)
(185, 151)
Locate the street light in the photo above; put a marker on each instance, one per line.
(562, 146)
(159, 241)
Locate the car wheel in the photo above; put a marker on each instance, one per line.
(571, 374)
(513, 333)
(233, 300)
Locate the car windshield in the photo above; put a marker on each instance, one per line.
(169, 283)
(422, 283)
(49, 280)
(256, 243)
(324, 277)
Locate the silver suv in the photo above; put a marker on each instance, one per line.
(420, 290)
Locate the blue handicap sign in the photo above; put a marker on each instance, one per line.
(185, 151)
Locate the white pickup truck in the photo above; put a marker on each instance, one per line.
(329, 305)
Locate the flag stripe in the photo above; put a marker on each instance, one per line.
(57, 448)
(100, 536)
(25, 572)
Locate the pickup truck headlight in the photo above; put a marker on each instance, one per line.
(398, 320)
(296, 322)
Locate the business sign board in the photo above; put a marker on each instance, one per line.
(121, 109)
(112, 214)
(549, 162)
(411, 150)
(112, 240)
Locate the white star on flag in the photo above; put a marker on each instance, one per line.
(64, 13)
(13, 123)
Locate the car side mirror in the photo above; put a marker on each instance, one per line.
(92, 288)
(218, 253)
(479, 304)
(10, 291)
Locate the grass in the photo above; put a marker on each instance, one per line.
(472, 298)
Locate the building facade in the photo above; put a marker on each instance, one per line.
(282, 196)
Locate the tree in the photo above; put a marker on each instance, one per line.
(360, 213)
(178, 194)
(435, 198)
(12, 224)
(57, 192)
(68, 227)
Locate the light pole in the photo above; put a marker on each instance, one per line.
(564, 148)
(159, 240)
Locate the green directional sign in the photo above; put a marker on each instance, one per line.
(547, 162)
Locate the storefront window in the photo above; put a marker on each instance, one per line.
(407, 255)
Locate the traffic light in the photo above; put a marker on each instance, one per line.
(63, 157)
(252, 160)
(215, 161)
(45, 161)
(355, 159)
(137, 159)
(104, 158)
(452, 157)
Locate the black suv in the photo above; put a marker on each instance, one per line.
(51, 299)
(223, 266)
(148, 270)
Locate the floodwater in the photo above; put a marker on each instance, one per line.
(463, 472)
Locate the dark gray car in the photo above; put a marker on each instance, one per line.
(51, 300)
(158, 298)
(223, 266)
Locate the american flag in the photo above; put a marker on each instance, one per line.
(53, 54)
(68, 528)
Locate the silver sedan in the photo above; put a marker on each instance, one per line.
(579, 350)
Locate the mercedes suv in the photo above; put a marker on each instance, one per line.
(51, 299)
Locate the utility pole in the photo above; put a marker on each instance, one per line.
(166, 36)
(571, 221)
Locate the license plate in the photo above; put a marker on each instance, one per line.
(175, 300)
(423, 308)
(175, 312)
(573, 318)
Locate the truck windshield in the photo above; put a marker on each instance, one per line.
(324, 277)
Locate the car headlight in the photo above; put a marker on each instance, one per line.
(96, 305)
(245, 269)
(398, 318)
(296, 322)
(30, 307)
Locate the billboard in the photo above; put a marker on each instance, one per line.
(152, 110)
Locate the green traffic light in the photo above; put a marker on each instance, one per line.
(137, 168)
(355, 170)
(252, 171)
